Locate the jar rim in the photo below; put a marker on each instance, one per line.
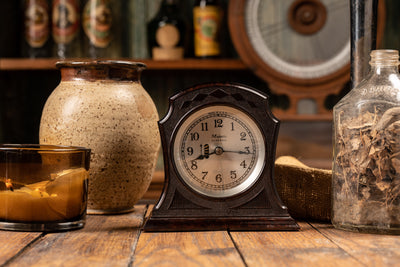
(96, 63)
(42, 148)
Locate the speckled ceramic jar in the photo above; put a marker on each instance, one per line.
(103, 106)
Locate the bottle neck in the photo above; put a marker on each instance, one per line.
(168, 3)
(168, 7)
(382, 69)
(203, 3)
(384, 61)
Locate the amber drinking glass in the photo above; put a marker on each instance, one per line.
(43, 187)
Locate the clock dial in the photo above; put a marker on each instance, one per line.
(219, 151)
(304, 39)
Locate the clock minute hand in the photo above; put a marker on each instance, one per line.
(219, 151)
(239, 152)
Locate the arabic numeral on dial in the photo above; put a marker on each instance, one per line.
(194, 136)
(243, 164)
(194, 165)
(233, 126)
(204, 126)
(243, 136)
(218, 178)
(190, 151)
(233, 175)
(204, 175)
(247, 150)
(218, 123)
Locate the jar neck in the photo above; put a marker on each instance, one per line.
(384, 69)
(95, 71)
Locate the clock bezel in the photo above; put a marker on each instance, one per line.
(245, 117)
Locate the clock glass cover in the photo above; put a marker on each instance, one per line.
(219, 151)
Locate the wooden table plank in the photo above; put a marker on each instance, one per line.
(104, 241)
(186, 249)
(306, 247)
(12, 243)
(370, 249)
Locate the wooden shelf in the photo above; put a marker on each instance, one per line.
(24, 64)
(15, 64)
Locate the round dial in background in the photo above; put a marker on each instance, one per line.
(303, 39)
(219, 151)
(301, 48)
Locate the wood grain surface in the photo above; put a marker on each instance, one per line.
(186, 249)
(13, 243)
(307, 247)
(104, 241)
(117, 240)
(369, 249)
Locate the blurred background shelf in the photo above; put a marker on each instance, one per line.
(15, 64)
(25, 83)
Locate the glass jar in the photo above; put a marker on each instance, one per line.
(366, 163)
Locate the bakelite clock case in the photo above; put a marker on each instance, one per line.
(181, 207)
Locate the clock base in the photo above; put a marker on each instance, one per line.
(175, 224)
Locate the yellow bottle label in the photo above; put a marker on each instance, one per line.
(206, 22)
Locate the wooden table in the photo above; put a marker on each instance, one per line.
(118, 241)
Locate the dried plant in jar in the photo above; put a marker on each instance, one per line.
(366, 167)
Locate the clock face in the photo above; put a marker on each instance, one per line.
(219, 151)
(305, 39)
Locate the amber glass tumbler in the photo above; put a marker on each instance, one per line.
(43, 187)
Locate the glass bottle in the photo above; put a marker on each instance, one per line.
(100, 22)
(166, 32)
(207, 18)
(366, 163)
(66, 28)
(37, 40)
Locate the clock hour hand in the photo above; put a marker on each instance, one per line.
(201, 157)
(206, 153)
(204, 156)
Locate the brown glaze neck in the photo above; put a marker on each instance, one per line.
(100, 70)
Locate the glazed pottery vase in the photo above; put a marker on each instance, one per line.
(103, 106)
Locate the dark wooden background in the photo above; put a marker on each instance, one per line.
(24, 92)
